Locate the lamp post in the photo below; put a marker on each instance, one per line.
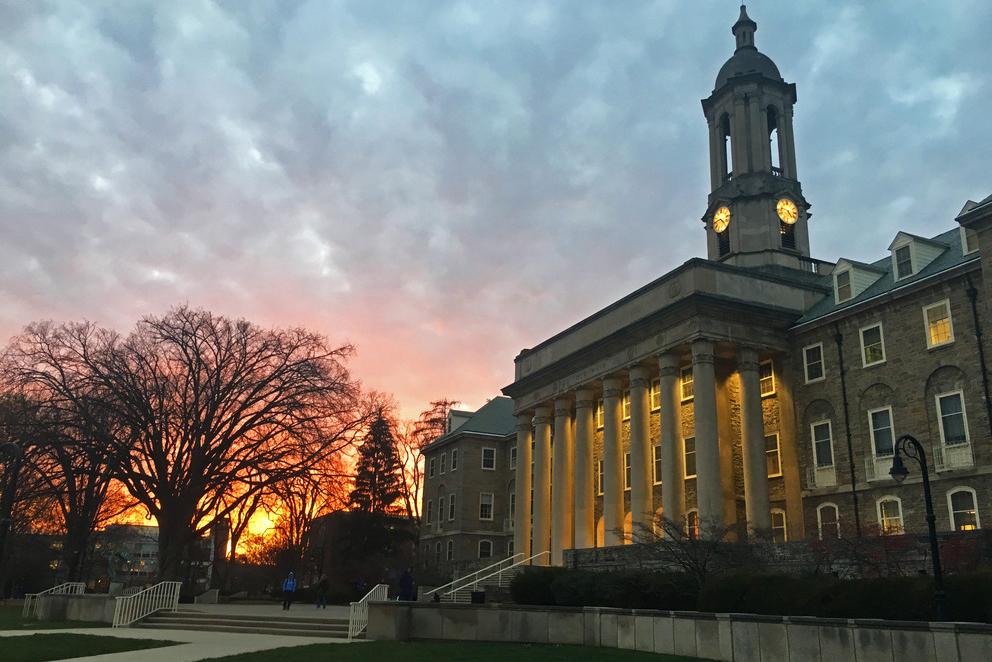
(908, 445)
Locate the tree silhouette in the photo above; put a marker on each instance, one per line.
(379, 479)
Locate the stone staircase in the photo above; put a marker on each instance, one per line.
(330, 628)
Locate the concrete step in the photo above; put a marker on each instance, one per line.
(334, 628)
(250, 618)
(253, 629)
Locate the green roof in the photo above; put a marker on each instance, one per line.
(493, 418)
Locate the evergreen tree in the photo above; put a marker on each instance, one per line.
(379, 480)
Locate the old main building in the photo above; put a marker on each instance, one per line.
(758, 387)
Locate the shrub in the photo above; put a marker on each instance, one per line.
(628, 589)
(532, 586)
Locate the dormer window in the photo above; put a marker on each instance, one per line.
(969, 241)
(903, 257)
(842, 283)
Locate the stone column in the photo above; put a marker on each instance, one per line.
(612, 462)
(708, 490)
(522, 483)
(753, 443)
(641, 462)
(542, 485)
(561, 487)
(585, 478)
(672, 482)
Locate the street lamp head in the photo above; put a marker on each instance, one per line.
(898, 470)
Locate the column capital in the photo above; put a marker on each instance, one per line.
(542, 415)
(747, 358)
(640, 377)
(563, 406)
(612, 388)
(702, 351)
(585, 399)
(525, 420)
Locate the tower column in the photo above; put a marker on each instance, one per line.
(612, 462)
(541, 532)
(561, 486)
(788, 145)
(522, 483)
(708, 488)
(585, 509)
(672, 482)
(756, 502)
(641, 483)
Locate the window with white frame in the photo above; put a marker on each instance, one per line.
(880, 423)
(903, 258)
(430, 468)
(626, 405)
(953, 421)
(599, 477)
(655, 395)
(444, 462)
(656, 450)
(689, 457)
(813, 362)
(599, 414)
(890, 516)
(450, 555)
(766, 378)
(626, 471)
(772, 455)
(969, 240)
(454, 459)
(963, 507)
(842, 285)
(451, 507)
(486, 506)
(823, 447)
(940, 328)
(430, 511)
(441, 509)
(828, 521)
(780, 532)
(513, 457)
(872, 345)
(685, 383)
(692, 524)
(489, 459)
(485, 549)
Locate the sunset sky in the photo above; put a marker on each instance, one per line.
(443, 183)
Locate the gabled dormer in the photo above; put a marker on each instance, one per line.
(851, 278)
(911, 254)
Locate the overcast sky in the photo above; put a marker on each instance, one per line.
(443, 183)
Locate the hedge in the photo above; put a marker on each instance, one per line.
(969, 597)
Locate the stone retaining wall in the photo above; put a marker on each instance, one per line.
(93, 608)
(726, 637)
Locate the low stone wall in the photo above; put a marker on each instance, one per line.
(726, 637)
(92, 608)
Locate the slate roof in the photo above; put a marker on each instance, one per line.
(493, 418)
(951, 257)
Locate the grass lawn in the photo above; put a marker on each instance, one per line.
(11, 619)
(452, 651)
(61, 646)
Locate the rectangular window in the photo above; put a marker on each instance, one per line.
(779, 531)
(970, 241)
(904, 262)
(656, 449)
(843, 283)
(599, 414)
(437, 552)
(430, 511)
(890, 516)
(451, 550)
(485, 549)
(872, 345)
(656, 395)
(953, 423)
(813, 361)
(454, 459)
(626, 471)
(451, 507)
(444, 462)
(940, 330)
(430, 468)
(766, 378)
(489, 459)
(626, 405)
(513, 457)
(881, 431)
(686, 383)
(599, 477)
(440, 509)
(772, 456)
(823, 450)
(486, 506)
(690, 457)
(513, 506)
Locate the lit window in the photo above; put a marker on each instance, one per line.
(828, 521)
(656, 449)
(813, 360)
(430, 468)
(940, 330)
(489, 459)
(842, 282)
(513, 457)
(772, 456)
(599, 413)
(626, 405)
(779, 531)
(872, 345)
(690, 457)
(904, 262)
(823, 452)
(881, 431)
(890, 516)
(656, 395)
(692, 524)
(964, 512)
(766, 378)
(953, 424)
(486, 506)
(444, 462)
(430, 511)
(454, 459)
(451, 550)
(451, 507)
(626, 471)
(485, 549)
(686, 383)
(599, 478)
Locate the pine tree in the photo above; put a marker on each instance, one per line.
(378, 482)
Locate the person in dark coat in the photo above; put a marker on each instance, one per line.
(288, 591)
(407, 588)
(321, 589)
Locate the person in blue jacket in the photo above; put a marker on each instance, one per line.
(288, 591)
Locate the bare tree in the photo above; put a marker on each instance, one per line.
(411, 439)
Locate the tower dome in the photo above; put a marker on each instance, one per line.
(747, 59)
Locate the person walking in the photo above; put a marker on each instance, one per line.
(288, 591)
(408, 589)
(321, 589)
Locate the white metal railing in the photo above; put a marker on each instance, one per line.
(877, 468)
(510, 560)
(503, 576)
(821, 477)
(957, 456)
(31, 603)
(131, 608)
(358, 618)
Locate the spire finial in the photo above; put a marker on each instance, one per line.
(744, 30)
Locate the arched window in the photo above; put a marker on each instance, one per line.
(780, 532)
(828, 521)
(890, 516)
(485, 549)
(450, 552)
(773, 141)
(692, 524)
(963, 507)
(510, 549)
(728, 148)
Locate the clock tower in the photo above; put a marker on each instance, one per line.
(757, 215)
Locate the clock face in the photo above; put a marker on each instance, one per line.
(721, 219)
(787, 211)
